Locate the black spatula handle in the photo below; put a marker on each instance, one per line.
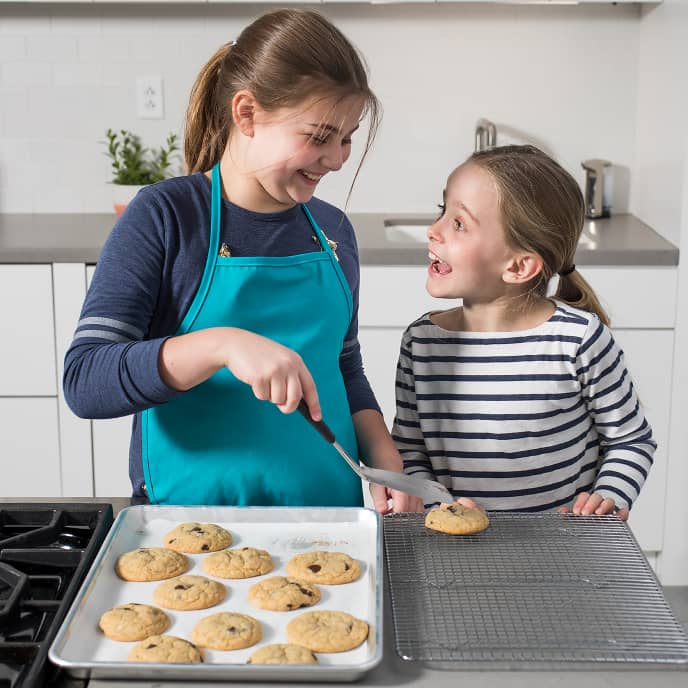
(319, 425)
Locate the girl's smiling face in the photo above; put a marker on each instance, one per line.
(467, 246)
(291, 149)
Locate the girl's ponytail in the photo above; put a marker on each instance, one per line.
(207, 127)
(574, 289)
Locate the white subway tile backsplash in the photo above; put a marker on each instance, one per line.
(51, 48)
(26, 73)
(99, 48)
(12, 48)
(78, 74)
(15, 106)
(561, 77)
(65, 112)
(75, 19)
(16, 176)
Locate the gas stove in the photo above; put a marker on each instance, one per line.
(45, 552)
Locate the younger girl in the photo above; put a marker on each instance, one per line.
(514, 400)
(224, 297)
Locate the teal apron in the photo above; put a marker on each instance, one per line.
(217, 443)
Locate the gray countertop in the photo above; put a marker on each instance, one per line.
(78, 238)
(393, 671)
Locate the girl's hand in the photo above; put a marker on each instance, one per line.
(586, 504)
(274, 372)
(470, 504)
(400, 500)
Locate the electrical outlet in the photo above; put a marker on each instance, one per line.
(149, 100)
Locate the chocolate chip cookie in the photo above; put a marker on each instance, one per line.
(165, 648)
(283, 653)
(238, 563)
(150, 564)
(456, 519)
(328, 568)
(189, 592)
(327, 631)
(133, 621)
(227, 631)
(194, 538)
(283, 594)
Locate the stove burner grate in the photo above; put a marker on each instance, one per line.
(45, 552)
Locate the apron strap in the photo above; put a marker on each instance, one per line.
(213, 244)
(333, 259)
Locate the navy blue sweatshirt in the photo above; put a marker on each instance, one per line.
(146, 278)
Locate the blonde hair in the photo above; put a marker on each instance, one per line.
(284, 58)
(543, 211)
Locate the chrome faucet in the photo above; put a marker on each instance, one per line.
(596, 191)
(485, 135)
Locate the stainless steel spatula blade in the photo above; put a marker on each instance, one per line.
(429, 490)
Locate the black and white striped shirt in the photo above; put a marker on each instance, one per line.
(522, 420)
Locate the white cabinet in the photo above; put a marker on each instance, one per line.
(648, 355)
(111, 457)
(28, 383)
(30, 447)
(27, 364)
(110, 448)
(641, 302)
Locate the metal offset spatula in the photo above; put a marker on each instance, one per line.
(429, 490)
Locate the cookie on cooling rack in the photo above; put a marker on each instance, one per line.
(456, 519)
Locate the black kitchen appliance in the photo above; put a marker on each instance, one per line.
(45, 552)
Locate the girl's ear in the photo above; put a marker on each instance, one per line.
(244, 106)
(522, 268)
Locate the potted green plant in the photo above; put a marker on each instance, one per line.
(134, 166)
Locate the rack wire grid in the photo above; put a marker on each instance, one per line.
(533, 591)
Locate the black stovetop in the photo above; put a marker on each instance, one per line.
(45, 552)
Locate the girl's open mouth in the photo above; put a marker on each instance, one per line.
(315, 178)
(437, 265)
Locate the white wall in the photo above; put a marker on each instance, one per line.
(660, 198)
(563, 77)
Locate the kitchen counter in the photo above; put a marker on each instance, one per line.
(78, 238)
(393, 671)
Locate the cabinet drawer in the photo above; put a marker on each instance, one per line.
(27, 335)
(636, 297)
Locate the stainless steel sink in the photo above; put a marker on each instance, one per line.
(415, 231)
(408, 231)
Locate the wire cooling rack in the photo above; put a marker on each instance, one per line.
(533, 591)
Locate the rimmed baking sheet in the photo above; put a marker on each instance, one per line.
(84, 651)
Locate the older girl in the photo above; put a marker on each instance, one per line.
(223, 297)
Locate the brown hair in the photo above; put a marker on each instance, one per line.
(543, 211)
(283, 58)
